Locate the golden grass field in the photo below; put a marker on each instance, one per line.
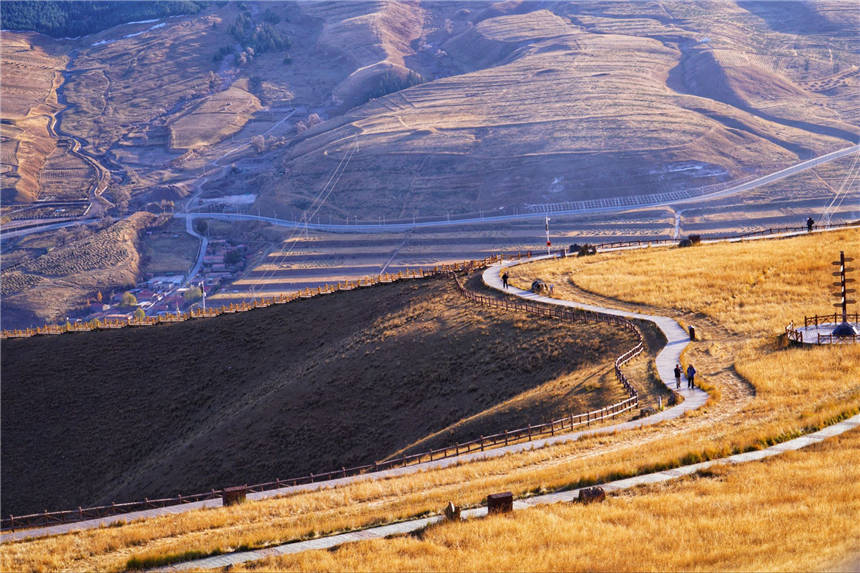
(783, 393)
(796, 512)
(753, 288)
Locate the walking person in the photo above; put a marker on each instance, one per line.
(809, 224)
(677, 376)
(691, 376)
(505, 280)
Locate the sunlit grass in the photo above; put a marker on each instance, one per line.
(797, 512)
(796, 390)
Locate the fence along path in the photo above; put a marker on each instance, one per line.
(676, 337)
(504, 438)
(381, 532)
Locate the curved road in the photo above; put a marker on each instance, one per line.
(401, 227)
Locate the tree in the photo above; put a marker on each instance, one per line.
(201, 226)
(192, 294)
(258, 142)
(233, 257)
(129, 299)
(139, 315)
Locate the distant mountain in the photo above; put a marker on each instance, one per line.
(71, 19)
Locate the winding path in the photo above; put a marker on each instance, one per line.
(677, 340)
(676, 337)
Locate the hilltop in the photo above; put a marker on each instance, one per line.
(762, 393)
(310, 386)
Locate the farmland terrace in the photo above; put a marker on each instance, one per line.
(394, 110)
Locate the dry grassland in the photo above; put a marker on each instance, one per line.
(651, 91)
(67, 275)
(30, 67)
(795, 390)
(117, 85)
(797, 512)
(219, 116)
(754, 288)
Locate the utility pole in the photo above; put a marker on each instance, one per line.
(548, 243)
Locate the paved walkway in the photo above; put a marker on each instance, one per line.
(677, 340)
(561, 497)
(676, 337)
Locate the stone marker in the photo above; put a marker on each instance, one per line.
(500, 502)
(452, 512)
(590, 495)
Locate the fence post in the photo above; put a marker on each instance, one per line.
(482, 442)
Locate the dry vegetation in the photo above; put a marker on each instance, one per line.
(705, 80)
(795, 390)
(219, 116)
(311, 386)
(30, 66)
(78, 263)
(755, 517)
(753, 288)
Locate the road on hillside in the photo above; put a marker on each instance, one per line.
(600, 206)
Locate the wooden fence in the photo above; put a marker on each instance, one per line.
(260, 302)
(835, 318)
(506, 437)
(795, 335)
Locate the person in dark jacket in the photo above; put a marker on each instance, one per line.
(809, 224)
(505, 280)
(691, 375)
(678, 376)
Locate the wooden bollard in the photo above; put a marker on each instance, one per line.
(500, 502)
(233, 495)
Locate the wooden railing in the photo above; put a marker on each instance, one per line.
(794, 334)
(835, 318)
(506, 437)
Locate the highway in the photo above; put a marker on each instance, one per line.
(609, 205)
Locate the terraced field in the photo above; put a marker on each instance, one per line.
(30, 68)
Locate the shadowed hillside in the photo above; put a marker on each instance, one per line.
(309, 386)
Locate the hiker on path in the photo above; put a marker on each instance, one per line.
(505, 280)
(691, 375)
(809, 224)
(678, 376)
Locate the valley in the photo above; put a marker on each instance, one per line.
(435, 111)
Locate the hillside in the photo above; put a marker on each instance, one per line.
(310, 386)
(569, 103)
(761, 393)
(380, 110)
(43, 279)
(30, 67)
